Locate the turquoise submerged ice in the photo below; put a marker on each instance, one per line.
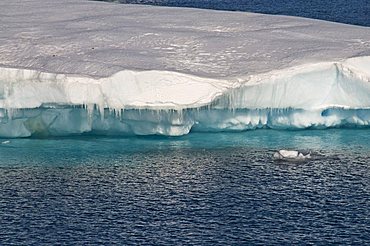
(137, 70)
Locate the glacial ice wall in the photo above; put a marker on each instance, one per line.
(316, 96)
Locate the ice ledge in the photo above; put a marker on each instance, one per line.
(313, 86)
(322, 95)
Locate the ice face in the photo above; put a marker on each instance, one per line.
(45, 122)
(167, 103)
(309, 87)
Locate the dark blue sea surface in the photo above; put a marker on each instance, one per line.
(355, 12)
(200, 189)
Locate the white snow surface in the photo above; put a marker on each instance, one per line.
(100, 39)
(76, 66)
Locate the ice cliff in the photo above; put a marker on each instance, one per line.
(74, 66)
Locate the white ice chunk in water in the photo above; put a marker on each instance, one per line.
(291, 155)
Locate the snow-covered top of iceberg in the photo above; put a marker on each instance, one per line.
(100, 39)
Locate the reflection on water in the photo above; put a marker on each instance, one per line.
(210, 189)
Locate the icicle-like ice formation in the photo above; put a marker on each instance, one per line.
(166, 103)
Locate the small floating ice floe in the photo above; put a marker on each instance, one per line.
(5, 142)
(291, 155)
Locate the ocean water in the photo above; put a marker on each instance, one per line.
(200, 189)
(355, 12)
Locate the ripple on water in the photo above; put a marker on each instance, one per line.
(94, 191)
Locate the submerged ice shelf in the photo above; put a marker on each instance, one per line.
(73, 121)
(137, 70)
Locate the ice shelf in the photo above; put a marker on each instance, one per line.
(77, 66)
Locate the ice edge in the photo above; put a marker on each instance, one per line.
(320, 95)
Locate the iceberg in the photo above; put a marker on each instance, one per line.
(291, 155)
(100, 68)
